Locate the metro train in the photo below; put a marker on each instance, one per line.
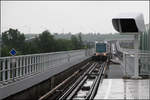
(102, 51)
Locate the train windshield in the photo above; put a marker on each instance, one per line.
(100, 47)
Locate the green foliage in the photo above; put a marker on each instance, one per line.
(77, 42)
(80, 43)
(5, 51)
(63, 45)
(31, 47)
(46, 42)
(74, 42)
(42, 43)
(13, 39)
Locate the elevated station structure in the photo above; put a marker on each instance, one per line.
(133, 64)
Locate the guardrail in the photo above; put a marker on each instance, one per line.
(134, 63)
(143, 62)
(18, 67)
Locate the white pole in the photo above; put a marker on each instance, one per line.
(136, 60)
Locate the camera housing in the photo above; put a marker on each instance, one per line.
(129, 23)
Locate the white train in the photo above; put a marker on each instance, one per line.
(102, 51)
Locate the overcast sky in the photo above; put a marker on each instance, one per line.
(66, 16)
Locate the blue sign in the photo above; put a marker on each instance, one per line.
(13, 52)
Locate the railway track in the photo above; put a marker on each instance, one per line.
(82, 84)
(86, 86)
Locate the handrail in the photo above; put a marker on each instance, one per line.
(18, 67)
(39, 54)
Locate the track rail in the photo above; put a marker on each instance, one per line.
(56, 92)
(86, 85)
(82, 84)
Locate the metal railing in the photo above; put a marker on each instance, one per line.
(143, 62)
(17, 67)
(133, 62)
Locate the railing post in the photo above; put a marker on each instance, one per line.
(41, 63)
(20, 66)
(30, 65)
(8, 69)
(38, 63)
(3, 71)
(27, 66)
(124, 63)
(13, 60)
(34, 64)
(24, 66)
(17, 67)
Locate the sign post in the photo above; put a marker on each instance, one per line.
(13, 53)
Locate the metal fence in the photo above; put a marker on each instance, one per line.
(143, 62)
(130, 65)
(145, 39)
(17, 67)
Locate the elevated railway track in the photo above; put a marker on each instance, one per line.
(82, 84)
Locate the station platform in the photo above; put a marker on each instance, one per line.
(115, 87)
(124, 89)
(115, 60)
(115, 71)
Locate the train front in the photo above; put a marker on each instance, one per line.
(101, 52)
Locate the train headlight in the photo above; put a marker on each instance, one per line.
(97, 54)
(104, 54)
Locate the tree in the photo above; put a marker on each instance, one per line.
(74, 41)
(80, 43)
(5, 51)
(13, 39)
(43, 43)
(63, 45)
(32, 47)
(46, 42)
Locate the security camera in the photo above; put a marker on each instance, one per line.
(129, 23)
